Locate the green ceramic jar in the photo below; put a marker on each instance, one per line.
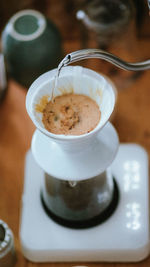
(31, 45)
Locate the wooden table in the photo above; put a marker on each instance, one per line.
(131, 119)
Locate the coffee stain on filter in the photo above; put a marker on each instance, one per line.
(39, 107)
(99, 93)
(65, 91)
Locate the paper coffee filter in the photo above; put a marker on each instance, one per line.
(74, 79)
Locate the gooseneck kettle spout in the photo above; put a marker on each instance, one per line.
(97, 53)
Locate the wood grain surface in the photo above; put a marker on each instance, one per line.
(131, 119)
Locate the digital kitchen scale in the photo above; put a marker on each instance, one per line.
(124, 237)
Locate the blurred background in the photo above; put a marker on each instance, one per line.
(121, 27)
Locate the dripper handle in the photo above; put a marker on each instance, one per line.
(97, 53)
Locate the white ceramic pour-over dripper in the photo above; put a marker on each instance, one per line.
(70, 157)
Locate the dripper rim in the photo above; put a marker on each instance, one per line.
(49, 76)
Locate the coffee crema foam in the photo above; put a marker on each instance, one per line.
(71, 114)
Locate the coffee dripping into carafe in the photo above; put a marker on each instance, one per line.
(78, 191)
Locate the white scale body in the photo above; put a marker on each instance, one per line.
(124, 237)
